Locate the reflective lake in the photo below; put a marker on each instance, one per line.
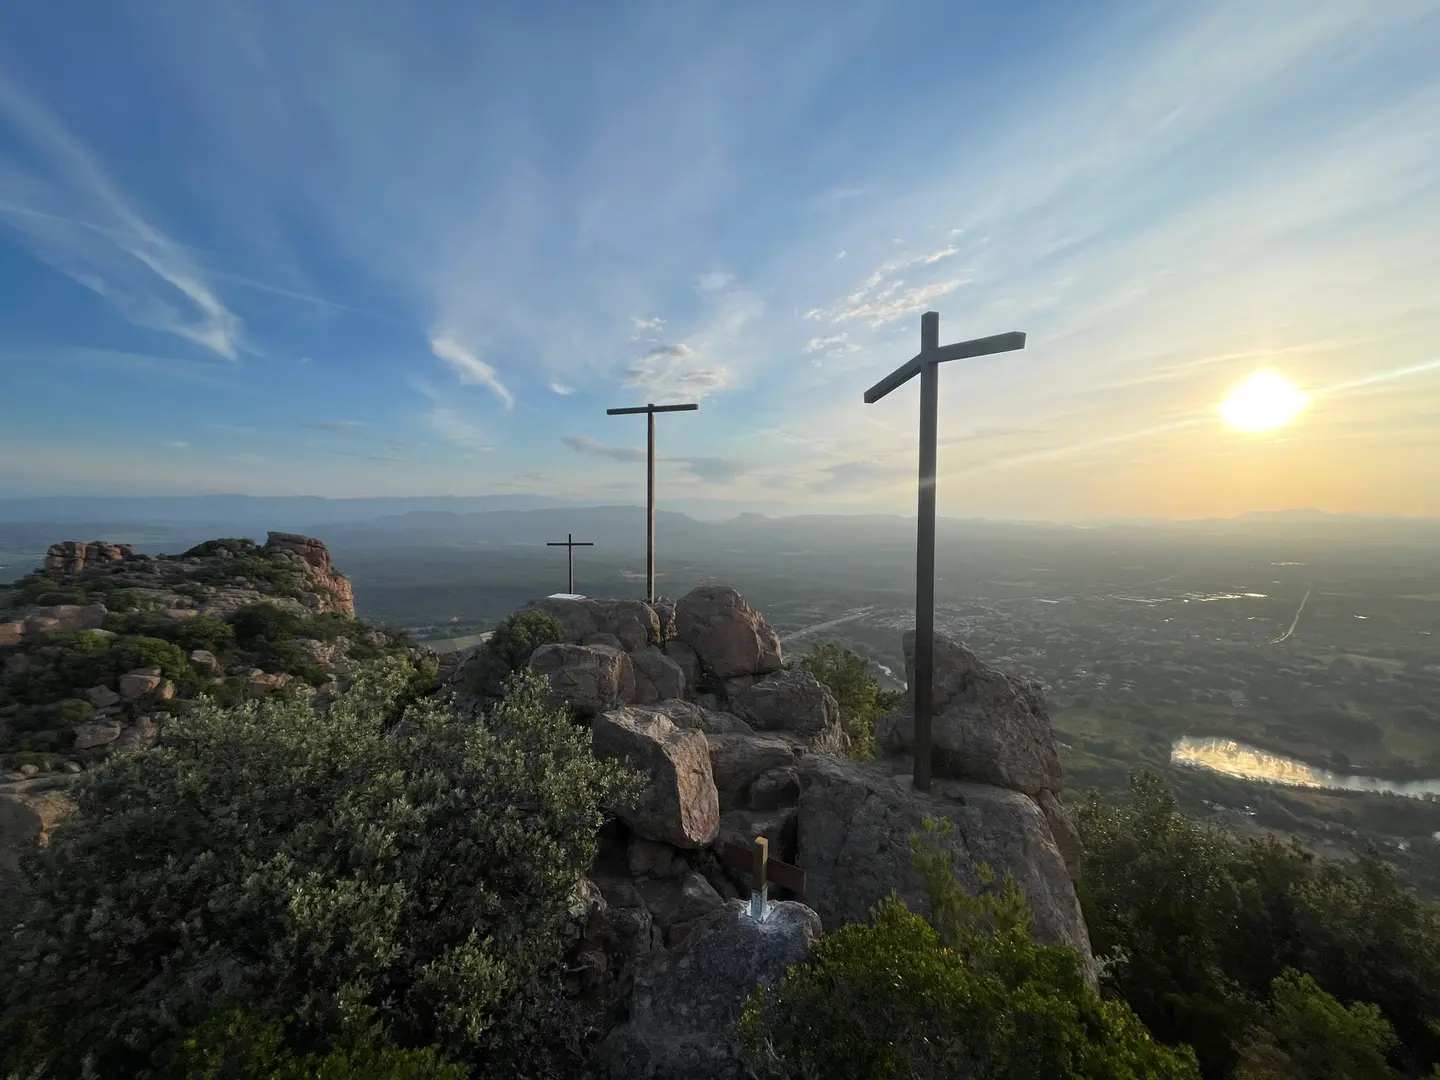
(1247, 763)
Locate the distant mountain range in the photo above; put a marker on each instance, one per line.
(497, 521)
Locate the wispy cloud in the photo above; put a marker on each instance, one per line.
(455, 426)
(561, 389)
(640, 327)
(714, 281)
(674, 370)
(136, 268)
(177, 444)
(470, 368)
(336, 427)
(586, 445)
(885, 296)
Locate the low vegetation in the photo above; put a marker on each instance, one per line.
(1203, 932)
(969, 993)
(847, 676)
(508, 650)
(293, 891)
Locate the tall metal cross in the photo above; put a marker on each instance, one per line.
(650, 411)
(926, 363)
(570, 544)
(755, 862)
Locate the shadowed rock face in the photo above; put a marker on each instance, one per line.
(787, 701)
(686, 1002)
(590, 677)
(987, 726)
(853, 827)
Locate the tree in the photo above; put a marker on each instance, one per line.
(1308, 1035)
(508, 650)
(295, 864)
(846, 675)
(968, 995)
(1197, 925)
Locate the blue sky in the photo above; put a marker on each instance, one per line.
(355, 248)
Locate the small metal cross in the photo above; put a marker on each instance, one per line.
(570, 543)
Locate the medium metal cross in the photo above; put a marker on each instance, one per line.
(756, 862)
(926, 363)
(570, 543)
(650, 411)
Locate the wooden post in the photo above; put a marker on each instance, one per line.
(926, 364)
(755, 863)
(650, 411)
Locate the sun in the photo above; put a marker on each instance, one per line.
(1263, 401)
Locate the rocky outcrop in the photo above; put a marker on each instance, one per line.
(854, 821)
(330, 589)
(633, 623)
(26, 819)
(589, 677)
(686, 1002)
(679, 804)
(657, 677)
(787, 701)
(987, 726)
(72, 556)
(729, 637)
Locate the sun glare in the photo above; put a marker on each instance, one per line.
(1263, 401)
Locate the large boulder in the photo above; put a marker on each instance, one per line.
(657, 677)
(686, 1002)
(986, 726)
(854, 824)
(589, 677)
(729, 638)
(685, 656)
(738, 760)
(633, 622)
(787, 701)
(679, 804)
(26, 819)
(59, 617)
(689, 714)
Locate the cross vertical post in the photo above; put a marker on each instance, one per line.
(926, 364)
(755, 862)
(570, 544)
(650, 411)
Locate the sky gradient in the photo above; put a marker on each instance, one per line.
(354, 247)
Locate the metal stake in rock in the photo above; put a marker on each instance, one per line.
(926, 363)
(571, 544)
(756, 862)
(650, 411)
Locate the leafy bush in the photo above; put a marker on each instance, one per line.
(235, 546)
(264, 855)
(847, 675)
(235, 1044)
(1308, 1035)
(508, 650)
(264, 622)
(973, 995)
(1198, 925)
(197, 632)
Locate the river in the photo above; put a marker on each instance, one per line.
(1247, 763)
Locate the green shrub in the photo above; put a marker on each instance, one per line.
(1197, 925)
(973, 996)
(1307, 1035)
(236, 1044)
(847, 675)
(329, 626)
(129, 653)
(73, 594)
(264, 622)
(267, 856)
(235, 545)
(72, 711)
(508, 650)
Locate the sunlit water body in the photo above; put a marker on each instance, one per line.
(1247, 763)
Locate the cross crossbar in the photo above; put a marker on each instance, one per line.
(651, 409)
(744, 860)
(961, 350)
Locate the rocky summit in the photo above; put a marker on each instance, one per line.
(102, 645)
(734, 744)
